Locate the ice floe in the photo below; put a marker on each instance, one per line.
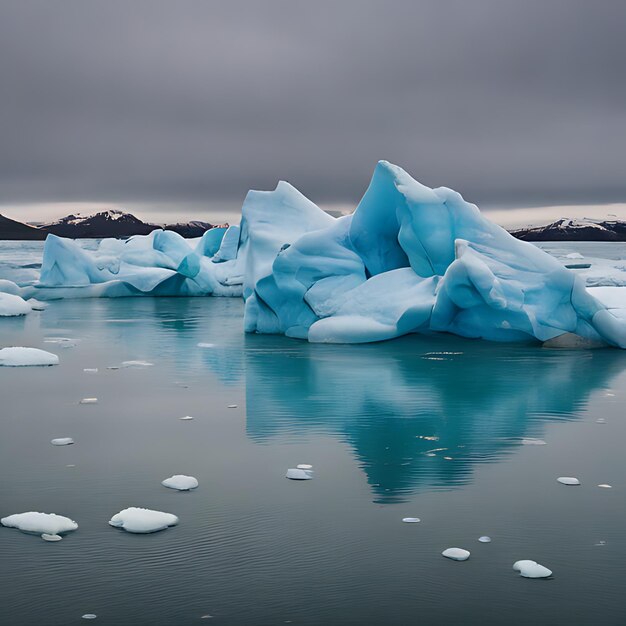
(89, 616)
(89, 401)
(568, 480)
(90, 370)
(456, 554)
(51, 538)
(304, 466)
(13, 306)
(62, 441)
(531, 569)
(26, 357)
(138, 364)
(138, 520)
(186, 418)
(605, 486)
(529, 441)
(180, 482)
(40, 523)
(411, 520)
(484, 539)
(206, 345)
(299, 474)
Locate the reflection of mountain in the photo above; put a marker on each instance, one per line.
(404, 410)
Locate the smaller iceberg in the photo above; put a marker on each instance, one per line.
(40, 523)
(456, 554)
(299, 474)
(568, 480)
(137, 520)
(25, 357)
(62, 441)
(13, 305)
(180, 482)
(531, 569)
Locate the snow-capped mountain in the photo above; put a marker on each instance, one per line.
(110, 223)
(567, 229)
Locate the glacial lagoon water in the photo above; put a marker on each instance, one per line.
(440, 428)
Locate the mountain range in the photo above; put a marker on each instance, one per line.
(110, 223)
(567, 229)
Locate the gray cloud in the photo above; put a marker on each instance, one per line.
(508, 101)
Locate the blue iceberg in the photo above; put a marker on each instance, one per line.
(410, 259)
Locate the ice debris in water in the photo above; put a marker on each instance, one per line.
(13, 305)
(62, 441)
(529, 441)
(89, 401)
(299, 474)
(40, 523)
(568, 480)
(456, 554)
(600, 420)
(35, 305)
(605, 486)
(25, 357)
(484, 539)
(89, 616)
(52, 538)
(91, 370)
(411, 520)
(231, 406)
(185, 418)
(137, 364)
(138, 520)
(304, 466)
(206, 345)
(531, 569)
(180, 482)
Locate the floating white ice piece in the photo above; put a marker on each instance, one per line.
(186, 418)
(605, 486)
(47, 537)
(180, 482)
(206, 345)
(298, 474)
(39, 523)
(137, 520)
(456, 554)
(13, 305)
(231, 406)
(568, 480)
(411, 520)
(304, 466)
(531, 569)
(35, 305)
(484, 539)
(89, 616)
(600, 420)
(137, 364)
(62, 441)
(24, 357)
(529, 441)
(91, 370)
(89, 401)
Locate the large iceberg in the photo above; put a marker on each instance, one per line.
(410, 259)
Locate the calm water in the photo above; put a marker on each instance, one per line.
(426, 427)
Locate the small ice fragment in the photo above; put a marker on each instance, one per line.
(113, 367)
(304, 466)
(568, 480)
(206, 345)
(91, 370)
(430, 454)
(600, 543)
(24, 357)
(447, 458)
(89, 616)
(206, 616)
(180, 482)
(186, 418)
(484, 539)
(605, 486)
(600, 420)
(48, 537)
(231, 406)
(89, 401)
(137, 520)
(298, 474)
(137, 364)
(62, 441)
(70, 465)
(411, 520)
(531, 569)
(35, 305)
(529, 441)
(456, 554)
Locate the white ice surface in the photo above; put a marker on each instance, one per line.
(39, 523)
(23, 357)
(137, 520)
(13, 305)
(180, 482)
(531, 569)
(456, 554)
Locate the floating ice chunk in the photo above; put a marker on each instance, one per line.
(304, 466)
(605, 486)
(40, 523)
(574, 255)
(137, 520)
(89, 401)
(25, 357)
(13, 305)
(456, 554)
(47, 537)
(568, 480)
(600, 420)
(186, 418)
(89, 616)
(62, 441)
(180, 482)
(531, 569)
(70, 465)
(59, 340)
(411, 520)
(231, 406)
(35, 305)
(299, 474)
(91, 370)
(484, 539)
(137, 364)
(206, 345)
(529, 441)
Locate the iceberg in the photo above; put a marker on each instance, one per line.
(40, 523)
(180, 482)
(410, 259)
(24, 357)
(13, 305)
(137, 520)
(456, 554)
(531, 569)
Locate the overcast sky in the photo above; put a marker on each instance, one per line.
(183, 106)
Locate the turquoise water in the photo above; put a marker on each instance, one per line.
(423, 427)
